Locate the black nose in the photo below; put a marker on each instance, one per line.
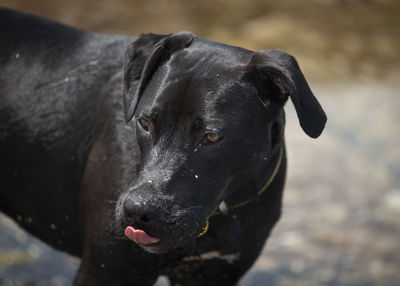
(138, 214)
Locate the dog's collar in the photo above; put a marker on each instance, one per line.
(241, 204)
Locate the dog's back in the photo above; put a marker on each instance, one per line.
(49, 96)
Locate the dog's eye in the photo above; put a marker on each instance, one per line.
(144, 123)
(212, 137)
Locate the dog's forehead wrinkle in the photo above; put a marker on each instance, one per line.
(220, 51)
(184, 59)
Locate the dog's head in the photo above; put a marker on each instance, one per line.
(208, 119)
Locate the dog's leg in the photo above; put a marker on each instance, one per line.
(111, 268)
(109, 258)
(212, 273)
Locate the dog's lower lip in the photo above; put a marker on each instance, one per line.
(140, 237)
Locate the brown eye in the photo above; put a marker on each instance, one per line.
(144, 123)
(213, 137)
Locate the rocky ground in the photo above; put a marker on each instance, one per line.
(341, 216)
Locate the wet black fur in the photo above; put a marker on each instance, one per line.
(75, 160)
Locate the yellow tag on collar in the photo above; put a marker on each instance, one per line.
(205, 229)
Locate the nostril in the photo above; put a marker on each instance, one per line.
(141, 219)
(128, 215)
(137, 213)
(144, 218)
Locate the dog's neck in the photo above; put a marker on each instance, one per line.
(224, 208)
(232, 203)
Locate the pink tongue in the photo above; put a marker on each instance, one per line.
(139, 236)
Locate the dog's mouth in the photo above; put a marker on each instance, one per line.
(152, 244)
(158, 229)
(140, 236)
(161, 241)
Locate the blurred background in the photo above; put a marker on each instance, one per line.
(341, 215)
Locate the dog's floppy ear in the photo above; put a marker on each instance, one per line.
(277, 76)
(142, 58)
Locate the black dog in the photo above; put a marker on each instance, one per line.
(182, 177)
